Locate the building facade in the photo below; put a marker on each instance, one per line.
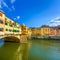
(53, 31)
(45, 30)
(8, 26)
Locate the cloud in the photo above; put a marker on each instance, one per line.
(17, 18)
(0, 5)
(55, 22)
(4, 4)
(12, 1)
(13, 7)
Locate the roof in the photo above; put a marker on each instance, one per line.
(44, 26)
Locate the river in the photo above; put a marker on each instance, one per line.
(33, 50)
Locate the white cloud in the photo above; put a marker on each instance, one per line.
(4, 4)
(0, 5)
(12, 1)
(13, 7)
(55, 22)
(17, 18)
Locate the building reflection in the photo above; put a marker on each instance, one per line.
(22, 51)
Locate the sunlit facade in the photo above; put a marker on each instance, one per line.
(29, 33)
(24, 29)
(58, 30)
(53, 31)
(8, 26)
(45, 30)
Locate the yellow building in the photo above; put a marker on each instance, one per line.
(36, 31)
(45, 30)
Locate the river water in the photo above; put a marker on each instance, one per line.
(33, 50)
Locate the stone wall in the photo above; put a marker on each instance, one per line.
(23, 38)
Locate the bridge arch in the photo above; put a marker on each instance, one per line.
(12, 38)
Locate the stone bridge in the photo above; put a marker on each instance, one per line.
(14, 38)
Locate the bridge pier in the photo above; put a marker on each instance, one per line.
(23, 39)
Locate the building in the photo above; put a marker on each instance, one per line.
(24, 33)
(24, 29)
(8, 26)
(29, 33)
(35, 32)
(58, 30)
(53, 31)
(45, 30)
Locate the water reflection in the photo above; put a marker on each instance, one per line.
(21, 53)
(1, 42)
(33, 50)
(14, 51)
(7, 51)
(45, 50)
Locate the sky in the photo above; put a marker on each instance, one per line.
(32, 13)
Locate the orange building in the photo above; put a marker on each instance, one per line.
(24, 32)
(53, 31)
(58, 30)
(24, 29)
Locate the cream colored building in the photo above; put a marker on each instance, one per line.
(45, 30)
(8, 26)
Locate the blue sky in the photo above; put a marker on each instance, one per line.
(33, 13)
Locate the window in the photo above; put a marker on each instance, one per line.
(6, 23)
(15, 30)
(1, 22)
(1, 29)
(5, 18)
(10, 30)
(10, 24)
(6, 29)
